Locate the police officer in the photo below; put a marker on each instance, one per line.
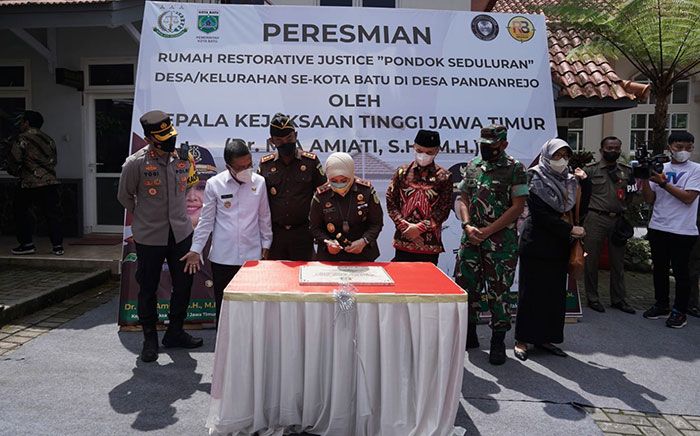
(153, 186)
(607, 181)
(345, 217)
(291, 177)
(493, 193)
(418, 200)
(33, 159)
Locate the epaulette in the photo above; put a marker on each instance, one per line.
(363, 182)
(267, 157)
(592, 164)
(308, 155)
(323, 188)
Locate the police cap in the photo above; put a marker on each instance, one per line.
(281, 125)
(158, 124)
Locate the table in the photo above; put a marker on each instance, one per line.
(287, 358)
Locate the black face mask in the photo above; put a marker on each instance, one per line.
(488, 153)
(168, 145)
(287, 149)
(611, 156)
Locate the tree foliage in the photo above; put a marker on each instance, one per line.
(660, 38)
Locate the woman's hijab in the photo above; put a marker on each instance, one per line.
(340, 164)
(556, 189)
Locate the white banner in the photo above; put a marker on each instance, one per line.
(359, 80)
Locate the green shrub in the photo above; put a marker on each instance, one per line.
(638, 255)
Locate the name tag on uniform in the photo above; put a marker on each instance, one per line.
(225, 196)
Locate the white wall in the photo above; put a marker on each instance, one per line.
(60, 105)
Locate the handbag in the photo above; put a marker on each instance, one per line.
(577, 254)
(622, 231)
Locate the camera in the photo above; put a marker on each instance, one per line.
(643, 164)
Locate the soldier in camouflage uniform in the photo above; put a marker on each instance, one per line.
(33, 160)
(492, 197)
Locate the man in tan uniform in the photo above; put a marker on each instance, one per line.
(607, 181)
(153, 186)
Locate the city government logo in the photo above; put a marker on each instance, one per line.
(484, 27)
(521, 29)
(170, 24)
(208, 23)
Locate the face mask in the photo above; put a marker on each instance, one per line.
(681, 156)
(488, 153)
(168, 145)
(340, 188)
(611, 156)
(287, 149)
(245, 176)
(424, 159)
(559, 165)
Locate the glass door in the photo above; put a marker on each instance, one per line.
(109, 132)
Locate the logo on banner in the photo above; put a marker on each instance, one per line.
(208, 23)
(521, 29)
(484, 27)
(171, 24)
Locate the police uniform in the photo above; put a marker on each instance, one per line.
(420, 194)
(154, 189)
(347, 218)
(489, 268)
(290, 188)
(608, 186)
(33, 160)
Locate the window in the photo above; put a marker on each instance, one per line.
(111, 74)
(12, 76)
(14, 94)
(379, 3)
(336, 2)
(574, 135)
(641, 126)
(680, 94)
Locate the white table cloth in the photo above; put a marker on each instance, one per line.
(382, 368)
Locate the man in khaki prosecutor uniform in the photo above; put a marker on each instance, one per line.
(607, 181)
(153, 186)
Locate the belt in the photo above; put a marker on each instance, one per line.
(605, 213)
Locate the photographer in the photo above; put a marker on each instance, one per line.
(673, 229)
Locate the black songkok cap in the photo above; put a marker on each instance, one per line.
(428, 138)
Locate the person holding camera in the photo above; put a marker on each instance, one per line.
(605, 188)
(673, 229)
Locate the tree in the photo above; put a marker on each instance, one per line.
(660, 38)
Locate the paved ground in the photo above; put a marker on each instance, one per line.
(625, 375)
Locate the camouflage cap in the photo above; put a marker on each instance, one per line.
(493, 134)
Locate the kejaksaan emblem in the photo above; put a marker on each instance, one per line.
(208, 23)
(171, 24)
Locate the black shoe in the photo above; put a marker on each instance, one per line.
(497, 354)
(472, 338)
(656, 312)
(693, 311)
(595, 305)
(149, 352)
(58, 250)
(677, 320)
(623, 306)
(181, 339)
(520, 354)
(24, 249)
(552, 349)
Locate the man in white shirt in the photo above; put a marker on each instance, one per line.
(673, 228)
(237, 215)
